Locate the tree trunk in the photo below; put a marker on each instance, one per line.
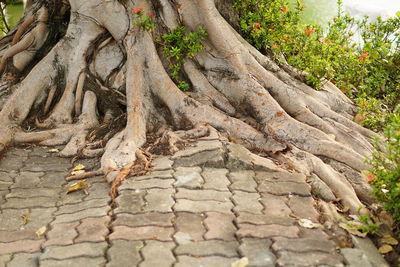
(77, 69)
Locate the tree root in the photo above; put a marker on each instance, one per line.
(237, 92)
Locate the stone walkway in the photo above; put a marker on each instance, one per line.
(209, 205)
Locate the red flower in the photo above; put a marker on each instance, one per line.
(137, 10)
(309, 31)
(284, 9)
(364, 56)
(150, 14)
(256, 26)
(370, 178)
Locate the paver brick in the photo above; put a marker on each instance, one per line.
(11, 236)
(200, 195)
(33, 192)
(159, 200)
(200, 147)
(303, 245)
(287, 258)
(98, 190)
(281, 176)
(303, 207)
(215, 179)
(260, 219)
(146, 184)
(190, 224)
(144, 219)
(164, 174)
(124, 253)
(39, 217)
(267, 231)
(355, 257)
(142, 233)
(220, 226)
(52, 179)
(130, 202)
(184, 261)
(93, 229)
(80, 261)
(73, 251)
(90, 204)
(243, 180)
(24, 260)
(61, 234)
(188, 178)
(11, 163)
(28, 246)
(275, 205)
(209, 248)
(33, 202)
(209, 158)
(257, 251)
(156, 253)
(27, 179)
(247, 202)
(202, 206)
(162, 163)
(285, 188)
(94, 212)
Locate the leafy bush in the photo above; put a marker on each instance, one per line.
(179, 45)
(385, 175)
(365, 70)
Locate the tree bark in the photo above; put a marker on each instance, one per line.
(74, 70)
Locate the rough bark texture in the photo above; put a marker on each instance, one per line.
(80, 74)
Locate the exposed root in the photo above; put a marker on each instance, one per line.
(85, 175)
(140, 167)
(238, 93)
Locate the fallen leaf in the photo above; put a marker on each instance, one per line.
(390, 240)
(77, 172)
(78, 167)
(243, 262)
(76, 186)
(306, 223)
(53, 150)
(41, 231)
(353, 228)
(385, 249)
(25, 218)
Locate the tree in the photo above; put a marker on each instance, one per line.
(93, 75)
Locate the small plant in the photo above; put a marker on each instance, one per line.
(385, 174)
(144, 22)
(184, 86)
(179, 45)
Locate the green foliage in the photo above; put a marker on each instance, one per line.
(179, 45)
(184, 86)
(367, 69)
(385, 175)
(4, 27)
(144, 22)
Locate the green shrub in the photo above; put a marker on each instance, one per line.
(179, 45)
(385, 175)
(369, 68)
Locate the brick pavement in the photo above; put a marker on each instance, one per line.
(209, 205)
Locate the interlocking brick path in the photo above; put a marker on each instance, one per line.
(209, 205)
